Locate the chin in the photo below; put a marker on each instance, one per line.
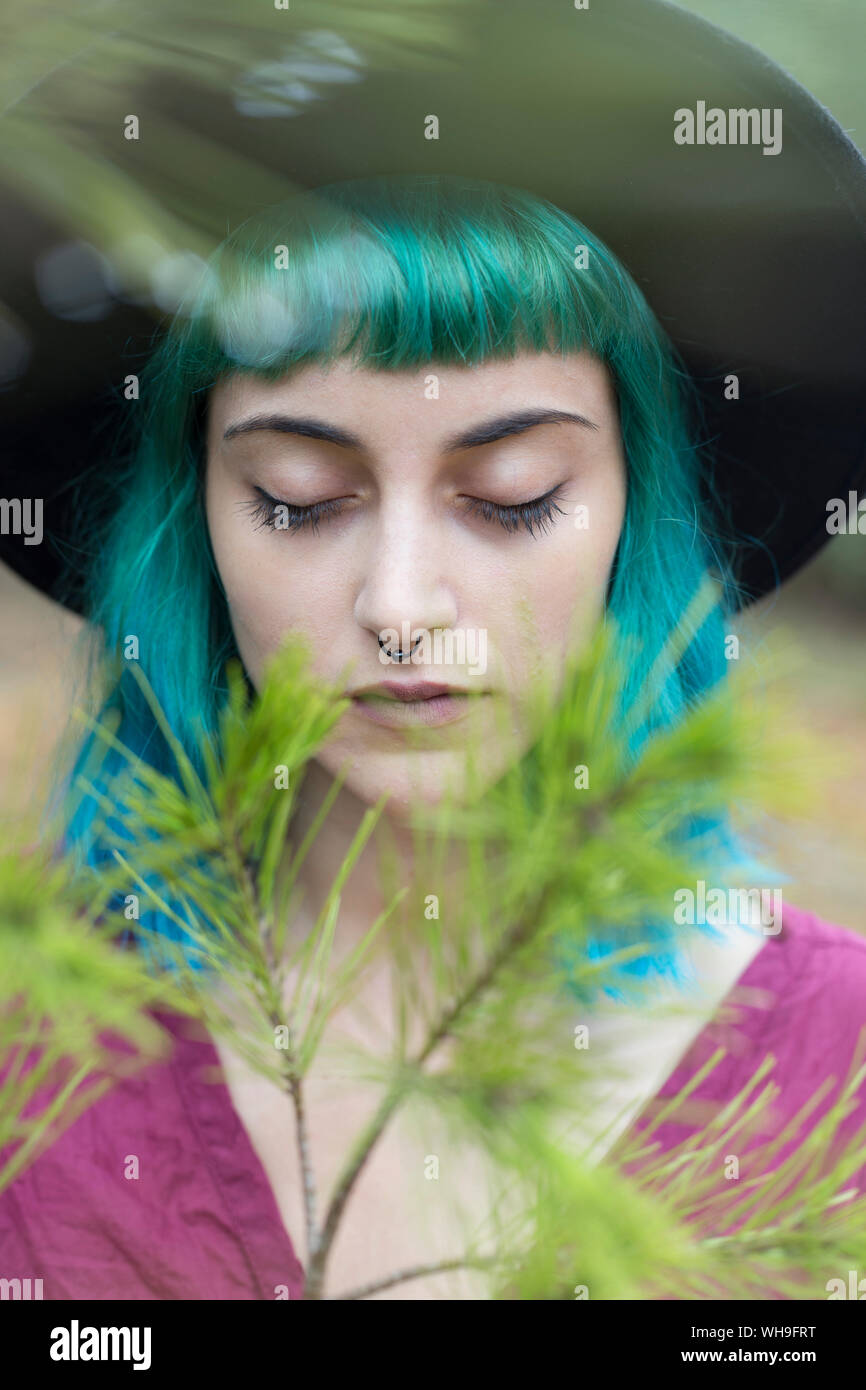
(410, 781)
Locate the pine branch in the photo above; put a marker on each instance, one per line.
(544, 867)
(415, 1272)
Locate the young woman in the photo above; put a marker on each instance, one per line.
(383, 412)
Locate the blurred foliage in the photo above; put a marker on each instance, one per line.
(486, 982)
(75, 1008)
(72, 72)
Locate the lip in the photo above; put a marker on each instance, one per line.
(409, 691)
(402, 704)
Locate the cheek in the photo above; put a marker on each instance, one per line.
(560, 585)
(269, 591)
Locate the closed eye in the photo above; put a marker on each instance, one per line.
(537, 512)
(289, 516)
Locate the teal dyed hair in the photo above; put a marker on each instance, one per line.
(393, 273)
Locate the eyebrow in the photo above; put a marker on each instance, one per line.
(516, 422)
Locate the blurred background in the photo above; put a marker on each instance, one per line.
(822, 610)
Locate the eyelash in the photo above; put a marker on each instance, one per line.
(538, 511)
(297, 518)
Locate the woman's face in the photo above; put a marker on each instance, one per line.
(420, 545)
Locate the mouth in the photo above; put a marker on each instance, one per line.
(401, 704)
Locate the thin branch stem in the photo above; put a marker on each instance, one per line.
(414, 1272)
(293, 1083)
(512, 940)
(296, 1091)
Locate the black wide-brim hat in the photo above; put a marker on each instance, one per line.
(754, 262)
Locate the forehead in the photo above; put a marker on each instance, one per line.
(421, 401)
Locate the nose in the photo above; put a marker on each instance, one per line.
(407, 578)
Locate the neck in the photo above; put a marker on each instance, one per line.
(387, 862)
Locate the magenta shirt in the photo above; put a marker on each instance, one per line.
(201, 1221)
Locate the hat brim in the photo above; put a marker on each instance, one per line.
(754, 262)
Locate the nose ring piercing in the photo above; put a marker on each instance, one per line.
(398, 654)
